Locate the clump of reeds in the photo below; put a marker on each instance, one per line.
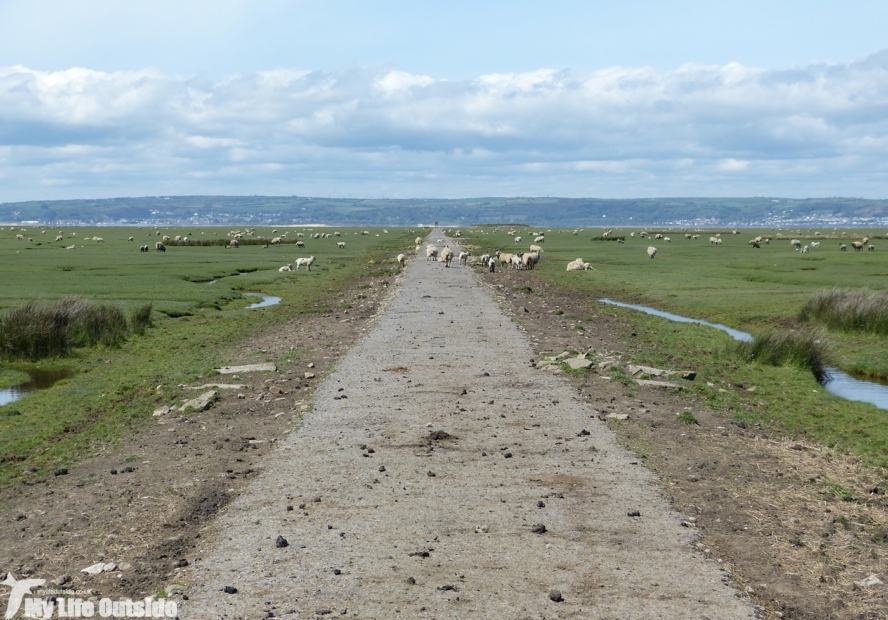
(849, 310)
(804, 349)
(140, 319)
(35, 331)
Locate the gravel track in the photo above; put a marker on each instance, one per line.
(390, 521)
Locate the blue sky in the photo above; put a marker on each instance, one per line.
(103, 98)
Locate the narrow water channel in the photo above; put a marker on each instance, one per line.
(267, 300)
(839, 383)
(40, 380)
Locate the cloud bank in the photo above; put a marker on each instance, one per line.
(818, 130)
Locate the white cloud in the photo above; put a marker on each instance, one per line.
(714, 130)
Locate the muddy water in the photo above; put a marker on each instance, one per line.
(839, 383)
(40, 380)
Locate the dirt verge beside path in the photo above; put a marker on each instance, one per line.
(799, 526)
(441, 475)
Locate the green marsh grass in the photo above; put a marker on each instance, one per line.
(805, 349)
(848, 310)
(754, 290)
(112, 390)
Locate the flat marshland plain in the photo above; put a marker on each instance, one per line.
(199, 315)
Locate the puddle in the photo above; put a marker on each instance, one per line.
(40, 380)
(839, 383)
(267, 300)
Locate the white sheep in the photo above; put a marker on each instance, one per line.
(401, 260)
(418, 241)
(287, 267)
(234, 243)
(517, 239)
(843, 247)
(578, 265)
(307, 262)
(446, 256)
(529, 260)
(652, 251)
(536, 248)
(464, 257)
(857, 245)
(667, 239)
(431, 253)
(540, 239)
(340, 244)
(159, 246)
(275, 241)
(796, 244)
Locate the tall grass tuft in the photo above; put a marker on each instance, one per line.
(140, 319)
(849, 310)
(35, 331)
(804, 349)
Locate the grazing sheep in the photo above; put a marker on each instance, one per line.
(300, 244)
(234, 243)
(652, 251)
(871, 248)
(165, 239)
(667, 239)
(287, 267)
(687, 235)
(754, 244)
(796, 244)
(658, 236)
(632, 234)
(60, 238)
(843, 247)
(275, 241)
(540, 239)
(160, 246)
(447, 256)
(402, 260)
(340, 244)
(70, 247)
(857, 245)
(504, 258)
(418, 241)
(804, 250)
(713, 239)
(536, 248)
(307, 262)
(431, 253)
(529, 260)
(20, 237)
(815, 244)
(130, 239)
(865, 240)
(578, 265)
(365, 232)
(517, 239)
(143, 248)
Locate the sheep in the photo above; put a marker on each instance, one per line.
(517, 240)
(160, 246)
(60, 238)
(300, 235)
(713, 239)
(234, 243)
(667, 239)
(417, 249)
(658, 236)
(418, 241)
(485, 260)
(536, 248)
(815, 244)
(300, 243)
(307, 262)
(652, 251)
(804, 250)
(843, 247)
(165, 239)
(287, 267)
(491, 264)
(178, 238)
(687, 235)
(865, 240)
(70, 247)
(632, 234)
(401, 260)
(578, 265)
(857, 245)
(431, 253)
(130, 239)
(755, 244)
(20, 237)
(529, 260)
(336, 233)
(796, 244)
(446, 256)
(516, 260)
(340, 244)
(365, 232)
(275, 241)
(540, 239)
(871, 248)
(143, 248)
(464, 257)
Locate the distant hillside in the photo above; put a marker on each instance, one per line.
(560, 212)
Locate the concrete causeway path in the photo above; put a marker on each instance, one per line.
(439, 475)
